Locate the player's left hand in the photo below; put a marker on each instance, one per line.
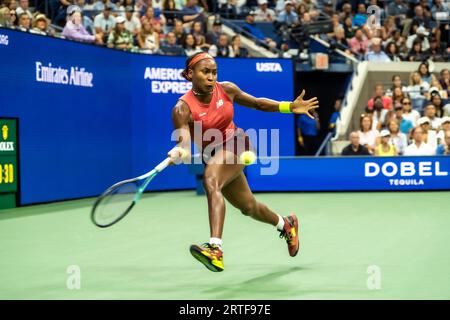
(300, 106)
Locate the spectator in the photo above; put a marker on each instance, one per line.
(100, 5)
(251, 28)
(222, 49)
(397, 138)
(132, 23)
(416, 53)
(367, 136)
(360, 17)
(359, 44)
(228, 9)
(171, 12)
(349, 28)
(420, 19)
(440, 10)
(416, 90)
(189, 46)
(404, 124)
(238, 50)
(437, 102)
(170, 46)
(24, 22)
(335, 116)
(418, 147)
(120, 37)
(5, 17)
(338, 40)
(444, 148)
(40, 25)
(397, 97)
(398, 9)
(307, 132)
(148, 39)
(425, 74)
(192, 12)
(346, 12)
(385, 148)
(355, 148)
(151, 18)
(197, 32)
(263, 13)
(379, 92)
(445, 80)
(392, 52)
(435, 52)
(430, 113)
(429, 134)
(74, 29)
(179, 31)
(288, 16)
(379, 114)
(445, 126)
(421, 36)
(104, 23)
(408, 113)
(436, 87)
(213, 35)
(24, 8)
(376, 55)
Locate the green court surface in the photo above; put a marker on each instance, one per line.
(405, 235)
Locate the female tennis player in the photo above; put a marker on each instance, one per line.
(210, 104)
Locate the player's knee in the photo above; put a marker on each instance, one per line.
(211, 184)
(250, 208)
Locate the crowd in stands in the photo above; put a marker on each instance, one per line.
(412, 30)
(407, 119)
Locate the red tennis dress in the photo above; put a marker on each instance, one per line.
(217, 114)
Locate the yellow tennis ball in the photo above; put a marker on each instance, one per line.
(247, 158)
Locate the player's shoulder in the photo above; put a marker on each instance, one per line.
(181, 108)
(230, 87)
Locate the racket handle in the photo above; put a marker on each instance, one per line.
(160, 167)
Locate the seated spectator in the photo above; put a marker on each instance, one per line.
(359, 44)
(424, 72)
(397, 97)
(430, 113)
(189, 45)
(222, 48)
(338, 40)
(5, 17)
(335, 116)
(405, 125)
(408, 113)
(416, 90)
(346, 12)
(171, 12)
(440, 10)
(421, 36)
(74, 29)
(435, 52)
(397, 83)
(192, 12)
(418, 147)
(228, 9)
(87, 21)
(379, 92)
(349, 29)
(100, 5)
(40, 25)
(120, 37)
(152, 18)
(398, 9)
(367, 136)
(179, 31)
(263, 13)
(24, 22)
(445, 126)
(148, 39)
(213, 36)
(378, 114)
(436, 88)
(288, 16)
(436, 101)
(416, 53)
(132, 23)
(429, 135)
(24, 7)
(170, 47)
(397, 138)
(238, 50)
(355, 148)
(385, 148)
(420, 19)
(251, 28)
(444, 148)
(444, 80)
(360, 18)
(376, 54)
(392, 52)
(104, 23)
(308, 133)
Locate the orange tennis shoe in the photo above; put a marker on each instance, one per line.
(210, 255)
(290, 233)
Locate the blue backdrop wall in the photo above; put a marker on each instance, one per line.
(90, 116)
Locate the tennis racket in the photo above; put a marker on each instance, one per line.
(118, 200)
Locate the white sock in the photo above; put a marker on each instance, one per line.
(280, 225)
(216, 241)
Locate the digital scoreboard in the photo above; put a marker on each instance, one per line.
(9, 183)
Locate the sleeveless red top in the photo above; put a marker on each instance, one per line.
(218, 114)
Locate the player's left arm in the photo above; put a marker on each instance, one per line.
(298, 106)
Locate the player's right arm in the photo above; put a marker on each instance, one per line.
(181, 116)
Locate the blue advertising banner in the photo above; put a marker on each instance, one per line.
(350, 174)
(91, 116)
